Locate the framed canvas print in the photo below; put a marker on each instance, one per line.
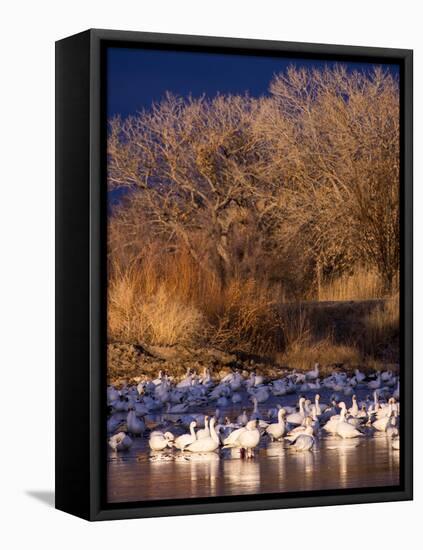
(233, 274)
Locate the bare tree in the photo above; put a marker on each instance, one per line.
(334, 137)
(306, 180)
(189, 165)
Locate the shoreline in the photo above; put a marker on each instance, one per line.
(131, 363)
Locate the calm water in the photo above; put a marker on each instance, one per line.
(334, 465)
(139, 474)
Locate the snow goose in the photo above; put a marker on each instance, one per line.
(121, 404)
(186, 439)
(120, 442)
(297, 417)
(305, 440)
(185, 382)
(305, 428)
(383, 421)
(386, 376)
(314, 373)
(207, 444)
(222, 401)
(353, 410)
(159, 379)
(246, 439)
(386, 409)
(205, 432)
(375, 384)
(332, 424)
(140, 408)
(242, 418)
(318, 408)
(343, 428)
(230, 440)
(206, 379)
(276, 430)
(261, 394)
(112, 394)
(136, 426)
(114, 422)
(236, 381)
(177, 408)
(279, 387)
(330, 412)
(159, 441)
(236, 398)
(359, 376)
(249, 439)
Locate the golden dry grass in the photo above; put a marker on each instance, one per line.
(382, 324)
(165, 299)
(326, 352)
(363, 284)
(141, 309)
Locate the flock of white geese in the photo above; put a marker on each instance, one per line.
(299, 427)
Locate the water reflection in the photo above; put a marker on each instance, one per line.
(334, 443)
(139, 474)
(242, 475)
(275, 449)
(201, 471)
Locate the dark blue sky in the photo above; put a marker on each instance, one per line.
(137, 77)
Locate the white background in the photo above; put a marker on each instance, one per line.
(28, 31)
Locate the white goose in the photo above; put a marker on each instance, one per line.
(261, 394)
(135, 425)
(384, 420)
(245, 439)
(305, 428)
(375, 384)
(304, 441)
(343, 428)
(353, 410)
(276, 430)
(185, 382)
(297, 417)
(207, 444)
(242, 418)
(236, 398)
(387, 409)
(186, 439)
(359, 376)
(112, 394)
(120, 442)
(313, 374)
(159, 441)
(204, 432)
(316, 408)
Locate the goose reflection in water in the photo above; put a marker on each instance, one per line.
(275, 449)
(344, 452)
(334, 443)
(304, 464)
(203, 470)
(240, 474)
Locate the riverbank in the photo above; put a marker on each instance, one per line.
(129, 363)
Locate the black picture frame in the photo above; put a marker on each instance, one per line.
(81, 275)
